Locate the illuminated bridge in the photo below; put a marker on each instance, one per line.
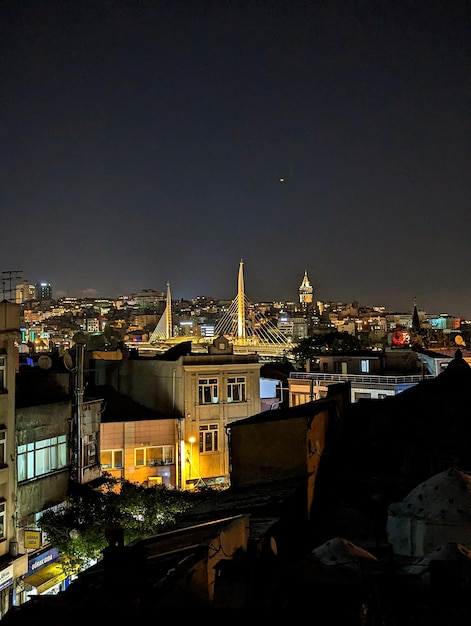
(248, 330)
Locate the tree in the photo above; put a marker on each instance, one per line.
(332, 343)
(109, 339)
(79, 528)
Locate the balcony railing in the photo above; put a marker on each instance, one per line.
(360, 378)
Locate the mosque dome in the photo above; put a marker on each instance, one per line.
(444, 498)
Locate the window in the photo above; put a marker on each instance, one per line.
(41, 457)
(236, 389)
(111, 459)
(3, 442)
(156, 455)
(159, 455)
(90, 449)
(340, 367)
(3, 374)
(207, 390)
(364, 366)
(2, 519)
(209, 438)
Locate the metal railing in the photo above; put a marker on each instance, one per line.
(360, 378)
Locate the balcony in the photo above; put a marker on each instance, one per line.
(361, 379)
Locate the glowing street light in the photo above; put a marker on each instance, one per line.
(192, 441)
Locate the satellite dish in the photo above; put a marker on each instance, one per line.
(68, 362)
(45, 362)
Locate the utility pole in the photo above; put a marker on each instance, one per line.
(76, 448)
(7, 288)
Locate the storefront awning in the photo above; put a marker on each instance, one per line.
(47, 577)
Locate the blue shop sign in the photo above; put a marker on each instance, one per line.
(41, 560)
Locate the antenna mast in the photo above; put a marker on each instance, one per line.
(7, 279)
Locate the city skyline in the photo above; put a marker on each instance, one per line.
(409, 310)
(159, 142)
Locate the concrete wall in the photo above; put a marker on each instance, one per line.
(41, 493)
(285, 443)
(33, 424)
(264, 451)
(414, 537)
(348, 364)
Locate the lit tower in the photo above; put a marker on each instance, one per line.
(168, 315)
(241, 303)
(306, 292)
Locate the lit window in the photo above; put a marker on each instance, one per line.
(364, 366)
(111, 459)
(155, 455)
(41, 457)
(159, 455)
(209, 438)
(207, 390)
(139, 456)
(236, 389)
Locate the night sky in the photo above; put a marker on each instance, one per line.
(154, 142)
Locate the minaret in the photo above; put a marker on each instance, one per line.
(306, 292)
(415, 317)
(168, 315)
(241, 303)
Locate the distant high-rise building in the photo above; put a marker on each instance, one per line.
(306, 292)
(24, 292)
(43, 291)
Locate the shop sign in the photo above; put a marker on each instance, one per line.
(6, 577)
(32, 539)
(39, 561)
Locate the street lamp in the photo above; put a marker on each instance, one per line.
(192, 441)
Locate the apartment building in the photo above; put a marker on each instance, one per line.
(12, 564)
(370, 374)
(201, 392)
(136, 443)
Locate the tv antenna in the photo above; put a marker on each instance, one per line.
(8, 288)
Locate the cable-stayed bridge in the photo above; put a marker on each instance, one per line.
(243, 324)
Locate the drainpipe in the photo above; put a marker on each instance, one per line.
(79, 391)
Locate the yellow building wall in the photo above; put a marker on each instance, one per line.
(215, 464)
(128, 436)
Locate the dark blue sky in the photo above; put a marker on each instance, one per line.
(144, 143)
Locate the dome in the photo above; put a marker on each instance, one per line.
(339, 551)
(446, 497)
